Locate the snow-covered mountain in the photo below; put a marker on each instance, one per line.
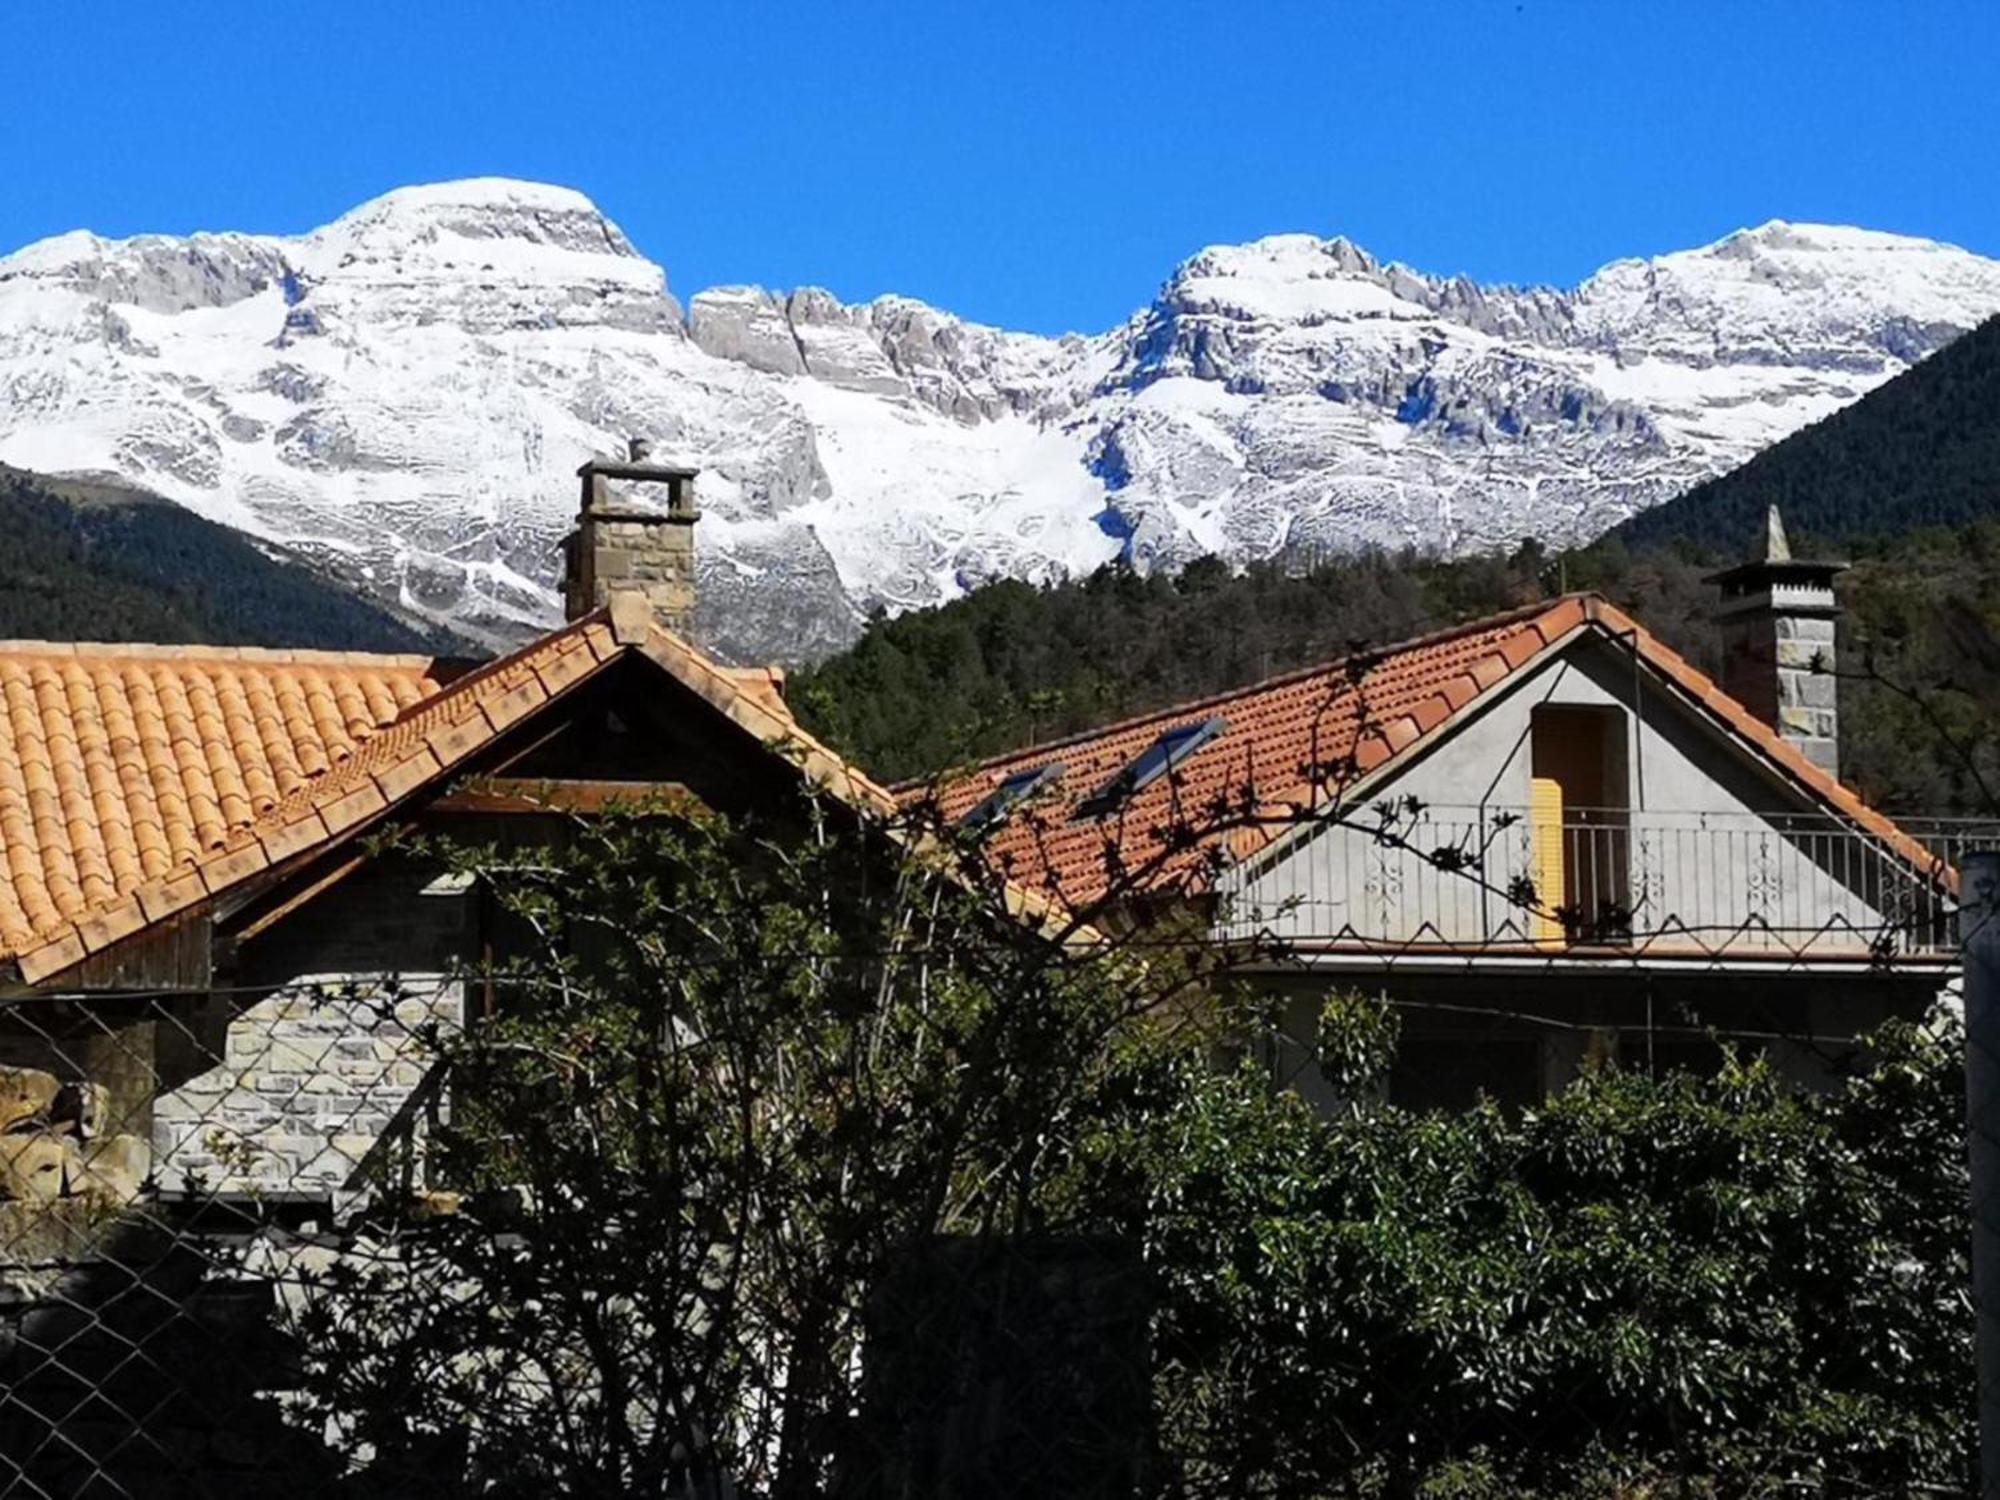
(408, 391)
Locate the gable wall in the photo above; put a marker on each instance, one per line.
(1686, 766)
(1700, 846)
(285, 1085)
(637, 723)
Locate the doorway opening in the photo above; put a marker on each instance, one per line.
(1580, 817)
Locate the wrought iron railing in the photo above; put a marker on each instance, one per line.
(1671, 882)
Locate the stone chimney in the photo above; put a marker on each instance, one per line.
(619, 546)
(1777, 616)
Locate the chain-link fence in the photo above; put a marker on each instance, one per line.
(244, 1249)
(172, 1167)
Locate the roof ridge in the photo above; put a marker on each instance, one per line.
(470, 679)
(202, 651)
(1520, 614)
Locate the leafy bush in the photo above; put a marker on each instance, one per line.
(1716, 1280)
(789, 1166)
(742, 1077)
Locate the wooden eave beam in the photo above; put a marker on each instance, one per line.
(528, 794)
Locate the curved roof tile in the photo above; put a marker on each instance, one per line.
(119, 764)
(1296, 740)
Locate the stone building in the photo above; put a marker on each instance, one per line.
(219, 976)
(196, 938)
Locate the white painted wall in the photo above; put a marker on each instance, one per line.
(1714, 841)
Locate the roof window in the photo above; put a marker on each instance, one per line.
(1172, 748)
(997, 807)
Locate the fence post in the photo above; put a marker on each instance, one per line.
(1979, 938)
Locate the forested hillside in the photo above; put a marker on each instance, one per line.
(1905, 482)
(92, 561)
(1923, 450)
(1012, 664)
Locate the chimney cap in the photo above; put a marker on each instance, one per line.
(612, 468)
(598, 504)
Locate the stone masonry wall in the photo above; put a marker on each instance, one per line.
(283, 1088)
(1768, 667)
(652, 554)
(1808, 703)
(308, 1081)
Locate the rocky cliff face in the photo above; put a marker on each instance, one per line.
(408, 391)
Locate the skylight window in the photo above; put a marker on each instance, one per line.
(1171, 749)
(1010, 794)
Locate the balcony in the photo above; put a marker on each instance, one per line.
(1609, 882)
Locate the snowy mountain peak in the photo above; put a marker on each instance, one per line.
(1836, 239)
(486, 254)
(1826, 293)
(475, 195)
(475, 220)
(406, 392)
(154, 272)
(1279, 257)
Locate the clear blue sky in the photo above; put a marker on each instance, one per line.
(1037, 166)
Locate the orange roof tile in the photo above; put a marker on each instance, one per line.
(384, 727)
(121, 764)
(1298, 740)
(360, 735)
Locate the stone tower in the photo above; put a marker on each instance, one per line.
(1777, 616)
(618, 545)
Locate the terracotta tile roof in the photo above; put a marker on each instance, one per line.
(1294, 741)
(120, 763)
(408, 749)
(368, 733)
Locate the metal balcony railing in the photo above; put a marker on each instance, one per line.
(1673, 883)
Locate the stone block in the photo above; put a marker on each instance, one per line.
(33, 1166)
(199, 1093)
(1808, 690)
(45, 1233)
(114, 1169)
(26, 1094)
(86, 1106)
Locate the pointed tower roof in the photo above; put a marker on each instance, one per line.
(1774, 565)
(1777, 546)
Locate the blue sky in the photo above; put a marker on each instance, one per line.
(1040, 167)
